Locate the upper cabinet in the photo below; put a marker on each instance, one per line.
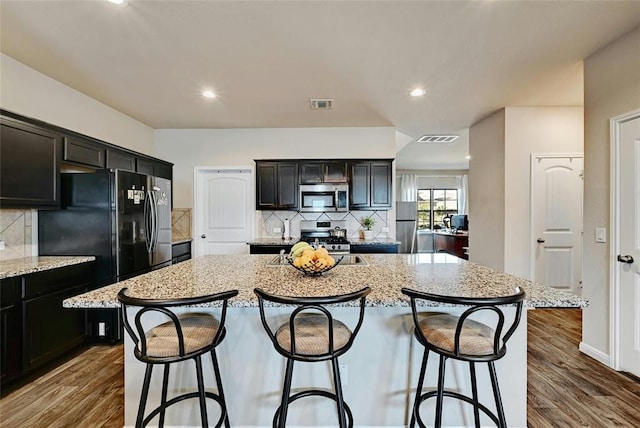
(84, 152)
(276, 185)
(323, 172)
(29, 165)
(370, 185)
(120, 159)
(154, 167)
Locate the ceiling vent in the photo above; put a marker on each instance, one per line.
(437, 138)
(321, 103)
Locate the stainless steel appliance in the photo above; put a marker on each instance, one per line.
(122, 218)
(406, 226)
(322, 232)
(324, 197)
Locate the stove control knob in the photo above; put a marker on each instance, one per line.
(333, 247)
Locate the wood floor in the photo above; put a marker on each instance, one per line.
(565, 387)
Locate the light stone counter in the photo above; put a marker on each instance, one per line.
(386, 274)
(27, 265)
(382, 366)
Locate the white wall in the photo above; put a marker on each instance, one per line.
(30, 93)
(486, 191)
(531, 130)
(188, 148)
(612, 87)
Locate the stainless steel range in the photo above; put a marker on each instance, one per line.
(330, 234)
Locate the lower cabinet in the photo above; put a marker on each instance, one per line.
(374, 248)
(180, 252)
(36, 329)
(452, 244)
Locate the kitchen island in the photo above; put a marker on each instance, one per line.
(381, 368)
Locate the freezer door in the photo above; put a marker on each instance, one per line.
(133, 235)
(406, 210)
(406, 234)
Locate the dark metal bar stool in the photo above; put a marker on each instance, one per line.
(183, 337)
(312, 334)
(464, 339)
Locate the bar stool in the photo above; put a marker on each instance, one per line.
(183, 337)
(310, 335)
(462, 338)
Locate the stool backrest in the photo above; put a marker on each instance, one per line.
(316, 305)
(476, 305)
(163, 306)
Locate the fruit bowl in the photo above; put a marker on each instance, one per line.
(316, 268)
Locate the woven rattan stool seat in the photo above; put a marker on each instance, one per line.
(440, 330)
(198, 331)
(311, 334)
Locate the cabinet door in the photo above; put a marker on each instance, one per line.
(311, 172)
(118, 159)
(360, 186)
(29, 165)
(145, 166)
(335, 172)
(266, 185)
(154, 168)
(287, 185)
(380, 184)
(84, 152)
(10, 330)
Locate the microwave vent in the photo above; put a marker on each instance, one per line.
(321, 103)
(440, 138)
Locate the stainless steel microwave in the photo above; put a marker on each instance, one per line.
(324, 197)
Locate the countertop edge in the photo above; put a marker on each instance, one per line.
(27, 265)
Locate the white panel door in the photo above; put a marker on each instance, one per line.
(224, 210)
(557, 221)
(628, 257)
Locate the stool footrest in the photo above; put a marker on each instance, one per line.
(458, 396)
(309, 393)
(182, 397)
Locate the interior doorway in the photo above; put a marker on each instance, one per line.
(556, 220)
(223, 207)
(625, 242)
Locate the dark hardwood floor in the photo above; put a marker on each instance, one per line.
(565, 387)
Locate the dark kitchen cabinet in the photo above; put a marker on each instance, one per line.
(36, 329)
(84, 152)
(119, 159)
(10, 330)
(456, 244)
(29, 165)
(323, 172)
(154, 167)
(180, 252)
(374, 248)
(276, 185)
(370, 185)
(269, 249)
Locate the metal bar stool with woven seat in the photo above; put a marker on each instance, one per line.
(312, 334)
(465, 339)
(182, 337)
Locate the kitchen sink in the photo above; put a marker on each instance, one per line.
(347, 260)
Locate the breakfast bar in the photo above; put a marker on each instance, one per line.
(379, 372)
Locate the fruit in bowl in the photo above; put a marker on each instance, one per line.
(308, 260)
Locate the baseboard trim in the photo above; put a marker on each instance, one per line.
(595, 354)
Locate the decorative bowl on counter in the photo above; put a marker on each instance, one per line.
(314, 268)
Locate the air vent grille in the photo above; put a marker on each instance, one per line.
(437, 138)
(321, 103)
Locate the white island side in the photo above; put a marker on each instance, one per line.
(382, 366)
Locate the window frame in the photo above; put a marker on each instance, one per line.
(432, 211)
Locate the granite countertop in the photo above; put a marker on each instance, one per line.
(377, 241)
(386, 274)
(26, 265)
(180, 241)
(276, 241)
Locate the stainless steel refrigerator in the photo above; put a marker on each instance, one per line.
(122, 218)
(406, 226)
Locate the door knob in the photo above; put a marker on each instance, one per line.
(625, 259)
(540, 240)
(203, 236)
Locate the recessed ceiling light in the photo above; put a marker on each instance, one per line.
(116, 1)
(467, 157)
(208, 94)
(418, 92)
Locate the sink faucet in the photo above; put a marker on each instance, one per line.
(316, 244)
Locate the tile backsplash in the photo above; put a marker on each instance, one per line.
(268, 220)
(180, 224)
(16, 231)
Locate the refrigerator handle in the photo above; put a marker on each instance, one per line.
(154, 212)
(148, 221)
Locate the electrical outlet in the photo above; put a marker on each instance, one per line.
(344, 374)
(277, 230)
(601, 234)
(102, 329)
(385, 230)
(1, 245)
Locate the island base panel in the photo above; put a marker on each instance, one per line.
(379, 385)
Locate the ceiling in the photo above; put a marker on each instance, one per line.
(266, 59)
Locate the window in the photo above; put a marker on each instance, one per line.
(434, 205)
